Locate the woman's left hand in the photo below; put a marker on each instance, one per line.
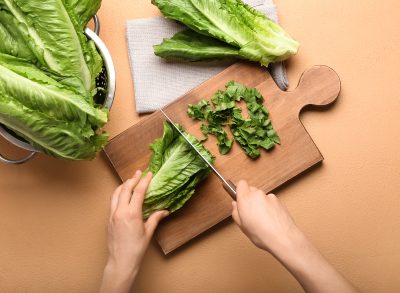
(128, 235)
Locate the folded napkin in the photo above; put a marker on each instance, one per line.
(157, 81)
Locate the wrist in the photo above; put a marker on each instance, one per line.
(120, 272)
(290, 245)
(117, 278)
(296, 252)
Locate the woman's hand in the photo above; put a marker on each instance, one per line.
(128, 235)
(264, 219)
(268, 224)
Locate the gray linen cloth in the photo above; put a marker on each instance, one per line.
(157, 81)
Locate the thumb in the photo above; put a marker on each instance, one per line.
(235, 214)
(154, 220)
(242, 190)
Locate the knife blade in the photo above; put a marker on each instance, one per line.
(227, 184)
(277, 70)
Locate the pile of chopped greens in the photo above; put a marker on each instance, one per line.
(251, 133)
(223, 29)
(48, 71)
(176, 168)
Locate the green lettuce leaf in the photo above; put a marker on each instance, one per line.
(206, 17)
(257, 37)
(224, 143)
(177, 170)
(49, 32)
(95, 64)
(270, 44)
(216, 119)
(12, 42)
(192, 46)
(84, 10)
(179, 198)
(33, 88)
(78, 12)
(59, 138)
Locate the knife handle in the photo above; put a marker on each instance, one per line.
(230, 188)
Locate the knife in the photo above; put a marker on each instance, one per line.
(278, 73)
(229, 187)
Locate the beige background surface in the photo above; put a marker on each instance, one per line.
(53, 214)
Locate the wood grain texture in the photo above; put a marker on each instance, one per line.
(129, 151)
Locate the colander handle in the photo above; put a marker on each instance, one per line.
(96, 21)
(16, 162)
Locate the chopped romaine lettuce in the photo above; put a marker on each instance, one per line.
(251, 133)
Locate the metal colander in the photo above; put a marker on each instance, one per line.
(106, 80)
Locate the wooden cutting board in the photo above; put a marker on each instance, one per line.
(129, 151)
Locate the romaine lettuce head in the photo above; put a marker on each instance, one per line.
(48, 71)
(256, 37)
(176, 168)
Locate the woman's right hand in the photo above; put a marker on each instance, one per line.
(268, 224)
(264, 219)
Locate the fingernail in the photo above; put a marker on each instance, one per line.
(138, 173)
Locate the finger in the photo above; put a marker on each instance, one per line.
(235, 214)
(114, 199)
(275, 199)
(253, 189)
(139, 193)
(272, 197)
(242, 190)
(153, 221)
(127, 189)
